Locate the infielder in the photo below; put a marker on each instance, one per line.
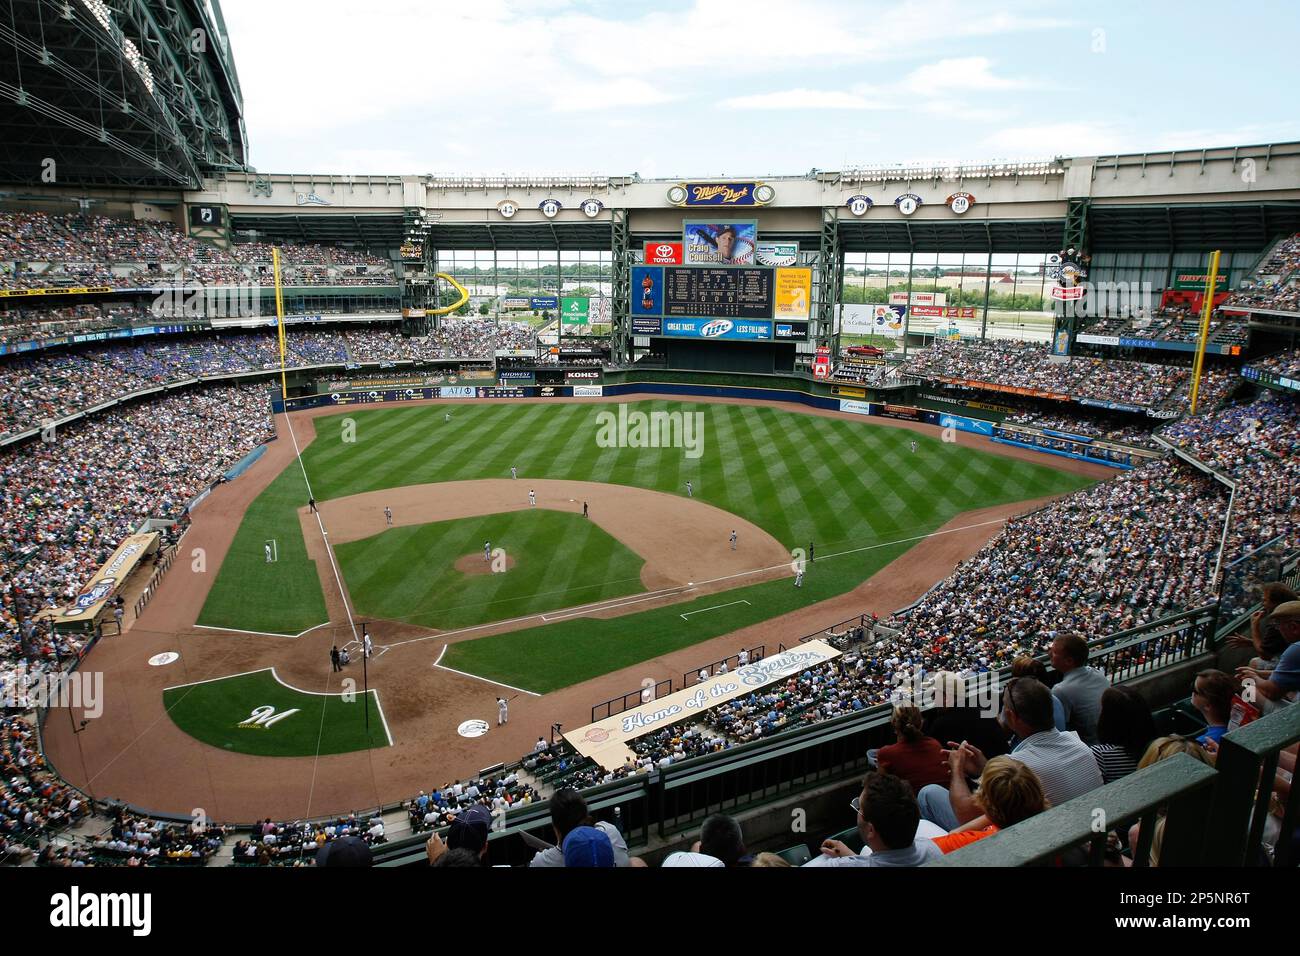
(487, 550)
(798, 577)
(532, 498)
(503, 711)
(733, 540)
(514, 472)
(388, 515)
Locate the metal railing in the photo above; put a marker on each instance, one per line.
(630, 699)
(1181, 788)
(160, 571)
(1247, 763)
(708, 670)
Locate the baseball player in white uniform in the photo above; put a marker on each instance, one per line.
(503, 711)
(514, 472)
(388, 515)
(742, 658)
(367, 645)
(532, 497)
(733, 540)
(268, 552)
(690, 490)
(487, 550)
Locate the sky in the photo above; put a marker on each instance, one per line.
(763, 87)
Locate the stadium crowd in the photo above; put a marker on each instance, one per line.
(39, 389)
(1283, 292)
(78, 250)
(1014, 364)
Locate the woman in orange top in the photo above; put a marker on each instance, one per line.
(1008, 793)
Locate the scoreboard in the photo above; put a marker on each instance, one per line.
(721, 293)
(750, 303)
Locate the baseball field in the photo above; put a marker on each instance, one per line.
(858, 494)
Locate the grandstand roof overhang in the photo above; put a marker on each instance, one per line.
(563, 236)
(1172, 227)
(134, 93)
(371, 230)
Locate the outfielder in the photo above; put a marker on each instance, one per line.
(913, 446)
(268, 552)
(690, 491)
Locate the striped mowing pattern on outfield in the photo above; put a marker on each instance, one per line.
(841, 483)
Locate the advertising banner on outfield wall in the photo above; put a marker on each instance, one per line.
(873, 320)
(588, 391)
(606, 740)
(856, 407)
(456, 391)
(963, 424)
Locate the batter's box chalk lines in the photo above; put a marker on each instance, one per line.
(714, 608)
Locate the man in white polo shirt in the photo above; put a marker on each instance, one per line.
(1064, 763)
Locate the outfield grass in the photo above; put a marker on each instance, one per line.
(561, 560)
(841, 483)
(324, 723)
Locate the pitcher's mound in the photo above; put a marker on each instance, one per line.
(474, 564)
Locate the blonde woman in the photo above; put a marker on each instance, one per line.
(1008, 793)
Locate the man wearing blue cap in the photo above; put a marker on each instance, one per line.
(588, 847)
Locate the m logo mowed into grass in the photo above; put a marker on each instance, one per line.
(265, 717)
(221, 713)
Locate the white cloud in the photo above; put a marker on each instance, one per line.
(800, 99)
(957, 75)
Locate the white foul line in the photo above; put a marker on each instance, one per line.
(714, 608)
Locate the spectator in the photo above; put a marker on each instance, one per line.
(1008, 793)
(588, 847)
(1284, 680)
(1064, 763)
(1163, 749)
(721, 837)
(917, 758)
(1124, 729)
(1212, 693)
(1081, 686)
(1026, 666)
(569, 813)
(958, 717)
(888, 821)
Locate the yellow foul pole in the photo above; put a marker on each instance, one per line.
(279, 318)
(1207, 307)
